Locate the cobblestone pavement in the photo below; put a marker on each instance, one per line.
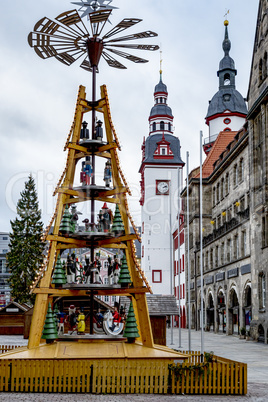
(253, 353)
(256, 393)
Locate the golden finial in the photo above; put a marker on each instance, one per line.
(226, 22)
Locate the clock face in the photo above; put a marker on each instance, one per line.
(162, 187)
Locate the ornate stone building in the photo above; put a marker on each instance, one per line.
(226, 211)
(258, 144)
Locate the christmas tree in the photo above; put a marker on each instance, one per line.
(131, 329)
(26, 247)
(118, 226)
(50, 332)
(59, 275)
(124, 276)
(66, 225)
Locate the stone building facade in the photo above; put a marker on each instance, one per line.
(226, 235)
(258, 143)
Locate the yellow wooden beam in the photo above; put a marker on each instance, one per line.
(77, 147)
(116, 239)
(86, 292)
(107, 147)
(106, 199)
(39, 315)
(68, 240)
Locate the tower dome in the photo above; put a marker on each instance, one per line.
(227, 109)
(161, 118)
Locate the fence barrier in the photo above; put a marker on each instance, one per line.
(124, 376)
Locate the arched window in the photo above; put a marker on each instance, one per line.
(226, 79)
(161, 99)
(162, 125)
(154, 126)
(169, 127)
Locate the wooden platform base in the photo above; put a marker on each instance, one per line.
(76, 337)
(95, 349)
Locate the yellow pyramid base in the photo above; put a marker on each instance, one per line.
(100, 349)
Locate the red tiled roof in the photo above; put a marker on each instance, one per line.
(224, 138)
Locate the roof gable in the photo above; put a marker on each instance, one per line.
(223, 139)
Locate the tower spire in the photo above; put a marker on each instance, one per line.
(161, 65)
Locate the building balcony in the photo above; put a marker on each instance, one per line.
(242, 216)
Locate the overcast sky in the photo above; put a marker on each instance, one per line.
(38, 96)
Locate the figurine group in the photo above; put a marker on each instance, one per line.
(97, 135)
(113, 270)
(86, 170)
(89, 272)
(69, 223)
(111, 322)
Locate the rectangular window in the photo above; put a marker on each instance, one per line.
(106, 299)
(156, 276)
(243, 243)
(236, 247)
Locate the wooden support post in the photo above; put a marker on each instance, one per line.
(39, 315)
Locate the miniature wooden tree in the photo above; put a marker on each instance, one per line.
(59, 275)
(118, 226)
(124, 276)
(66, 225)
(131, 329)
(50, 332)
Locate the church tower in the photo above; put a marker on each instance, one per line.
(160, 169)
(227, 109)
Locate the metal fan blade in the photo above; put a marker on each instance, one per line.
(97, 20)
(111, 61)
(141, 47)
(87, 66)
(65, 58)
(124, 24)
(128, 56)
(72, 20)
(140, 35)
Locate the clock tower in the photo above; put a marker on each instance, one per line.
(160, 170)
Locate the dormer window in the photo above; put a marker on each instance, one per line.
(163, 150)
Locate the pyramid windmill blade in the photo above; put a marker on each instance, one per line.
(97, 20)
(136, 46)
(87, 66)
(140, 35)
(112, 62)
(128, 56)
(124, 24)
(72, 20)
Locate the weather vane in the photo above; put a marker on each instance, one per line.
(93, 5)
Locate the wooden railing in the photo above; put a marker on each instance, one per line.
(6, 348)
(124, 376)
(221, 376)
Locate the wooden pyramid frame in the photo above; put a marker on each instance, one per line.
(67, 195)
